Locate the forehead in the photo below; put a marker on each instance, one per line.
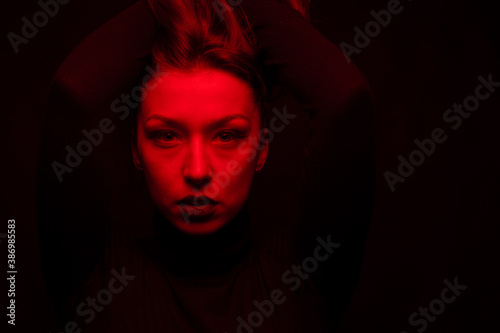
(205, 95)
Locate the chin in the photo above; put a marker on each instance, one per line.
(197, 227)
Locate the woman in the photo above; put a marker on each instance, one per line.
(199, 136)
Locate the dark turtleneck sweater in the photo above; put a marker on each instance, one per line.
(187, 255)
(222, 282)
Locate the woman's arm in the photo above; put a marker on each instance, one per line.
(84, 154)
(338, 177)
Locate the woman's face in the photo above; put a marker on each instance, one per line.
(198, 142)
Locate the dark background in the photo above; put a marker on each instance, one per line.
(441, 223)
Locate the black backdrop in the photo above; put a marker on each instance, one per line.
(440, 223)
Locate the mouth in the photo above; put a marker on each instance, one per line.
(197, 208)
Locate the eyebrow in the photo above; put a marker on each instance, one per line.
(182, 124)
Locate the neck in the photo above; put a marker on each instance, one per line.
(195, 254)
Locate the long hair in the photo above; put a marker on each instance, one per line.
(210, 34)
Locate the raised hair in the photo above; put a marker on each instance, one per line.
(210, 34)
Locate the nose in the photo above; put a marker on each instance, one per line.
(197, 167)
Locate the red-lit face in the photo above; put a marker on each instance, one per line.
(199, 141)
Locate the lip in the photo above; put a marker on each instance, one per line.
(198, 208)
(197, 201)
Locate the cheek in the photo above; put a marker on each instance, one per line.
(161, 170)
(239, 184)
(234, 173)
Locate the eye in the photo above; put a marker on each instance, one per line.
(229, 136)
(165, 138)
(225, 137)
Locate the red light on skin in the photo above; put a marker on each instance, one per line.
(190, 129)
